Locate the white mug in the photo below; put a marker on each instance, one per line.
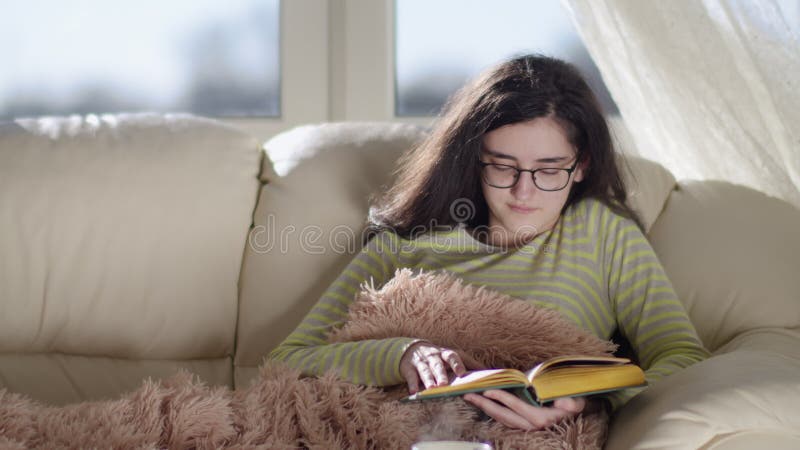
(450, 445)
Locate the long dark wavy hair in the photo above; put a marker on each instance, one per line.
(443, 168)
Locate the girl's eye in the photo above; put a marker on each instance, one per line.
(504, 168)
(550, 171)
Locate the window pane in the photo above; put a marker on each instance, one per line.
(209, 57)
(441, 44)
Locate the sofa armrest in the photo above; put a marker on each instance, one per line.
(717, 403)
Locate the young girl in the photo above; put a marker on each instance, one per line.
(516, 189)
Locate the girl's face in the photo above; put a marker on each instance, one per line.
(519, 213)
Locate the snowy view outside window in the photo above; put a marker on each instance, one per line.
(209, 57)
(221, 58)
(440, 44)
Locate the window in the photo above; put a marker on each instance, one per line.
(207, 57)
(267, 65)
(439, 45)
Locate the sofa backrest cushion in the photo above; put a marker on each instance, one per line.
(648, 184)
(123, 235)
(309, 220)
(732, 255)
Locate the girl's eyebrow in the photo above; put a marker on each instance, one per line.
(552, 159)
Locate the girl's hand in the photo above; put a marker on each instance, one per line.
(430, 364)
(514, 412)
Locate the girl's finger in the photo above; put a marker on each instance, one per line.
(536, 416)
(573, 405)
(412, 379)
(425, 374)
(499, 412)
(454, 361)
(438, 368)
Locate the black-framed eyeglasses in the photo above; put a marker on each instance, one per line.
(504, 176)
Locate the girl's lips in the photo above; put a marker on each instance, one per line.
(522, 209)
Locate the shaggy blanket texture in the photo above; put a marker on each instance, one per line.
(282, 409)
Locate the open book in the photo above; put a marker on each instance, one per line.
(562, 376)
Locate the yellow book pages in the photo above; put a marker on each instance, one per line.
(570, 381)
(575, 360)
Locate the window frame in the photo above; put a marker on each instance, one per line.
(304, 70)
(337, 64)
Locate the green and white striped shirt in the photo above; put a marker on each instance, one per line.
(594, 266)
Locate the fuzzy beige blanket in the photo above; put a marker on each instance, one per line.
(282, 409)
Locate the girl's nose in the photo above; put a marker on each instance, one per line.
(524, 187)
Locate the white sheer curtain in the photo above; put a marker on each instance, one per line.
(708, 88)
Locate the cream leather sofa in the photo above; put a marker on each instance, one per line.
(133, 245)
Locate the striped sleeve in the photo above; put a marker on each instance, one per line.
(647, 310)
(371, 362)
